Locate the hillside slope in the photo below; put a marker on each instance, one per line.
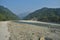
(45, 14)
(6, 14)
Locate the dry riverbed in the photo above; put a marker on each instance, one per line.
(19, 31)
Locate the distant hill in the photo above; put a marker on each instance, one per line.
(45, 14)
(22, 15)
(6, 14)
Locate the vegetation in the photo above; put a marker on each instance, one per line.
(45, 15)
(6, 14)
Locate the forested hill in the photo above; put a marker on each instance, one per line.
(6, 14)
(45, 14)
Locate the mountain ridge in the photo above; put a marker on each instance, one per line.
(45, 14)
(6, 14)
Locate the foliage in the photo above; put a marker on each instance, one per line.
(46, 15)
(6, 14)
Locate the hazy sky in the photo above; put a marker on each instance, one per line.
(21, 6)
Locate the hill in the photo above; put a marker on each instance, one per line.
(6, 14)
(45, 14)
(22, 15)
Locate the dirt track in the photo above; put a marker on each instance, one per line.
(4, 34)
